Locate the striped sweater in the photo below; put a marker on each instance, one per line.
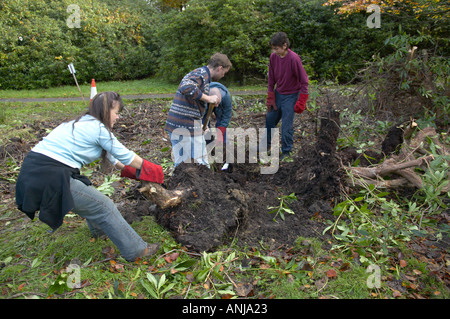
(187, 110)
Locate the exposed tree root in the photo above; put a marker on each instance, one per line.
(401, 170)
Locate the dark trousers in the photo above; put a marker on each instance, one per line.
(285, 112)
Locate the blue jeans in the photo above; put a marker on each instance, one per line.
(103, 217)
(285, 112)
(186, 148)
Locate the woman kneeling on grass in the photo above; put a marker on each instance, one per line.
(50, 180)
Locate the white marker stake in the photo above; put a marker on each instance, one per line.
(72, 71)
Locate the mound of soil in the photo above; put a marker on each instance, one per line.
(224, 206)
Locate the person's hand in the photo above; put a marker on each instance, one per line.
(301, 103)
(150, 172)
(214, 99)
(270, 103)
(128, 171)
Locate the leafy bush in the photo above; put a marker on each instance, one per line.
(38, 44)
(133, 39)
(331, 46)
(411, 80)
(233, 27)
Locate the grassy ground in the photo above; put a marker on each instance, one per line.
(145, 86)
(37, 264)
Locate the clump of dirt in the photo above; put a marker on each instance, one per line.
(314, 175)
(224, 206)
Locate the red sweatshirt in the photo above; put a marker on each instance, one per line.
(288, 74)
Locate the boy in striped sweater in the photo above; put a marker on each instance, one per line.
(184, 121)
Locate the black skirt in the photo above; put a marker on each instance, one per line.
(44, 185)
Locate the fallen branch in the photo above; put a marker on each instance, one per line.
(388, 167)
(399, 170)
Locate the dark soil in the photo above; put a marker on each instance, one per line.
(222, 207)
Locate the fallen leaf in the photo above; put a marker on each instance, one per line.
(108, 252)
(417, 271)
(344, 267)
(115, 267)
(171, 258)
(307, 267)
(331, 273)
(403, 263)
(119, 267)
(396, 294)
(244, 290)
(85, 283)
(167, 258)
(190, 277)
(174, 256)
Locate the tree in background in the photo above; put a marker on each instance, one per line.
(132, 39)
(412, 78)
(332, 47)
(38, 41)
(234, 27)
(428, 16)
(165, 5)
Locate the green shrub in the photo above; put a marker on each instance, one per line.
(233, 27)
(38, 43)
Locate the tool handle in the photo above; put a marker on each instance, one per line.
(208, 115)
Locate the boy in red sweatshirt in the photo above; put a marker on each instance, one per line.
(287, 91)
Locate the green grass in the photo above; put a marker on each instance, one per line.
(144, 86)
(32, 259)
(16, 117)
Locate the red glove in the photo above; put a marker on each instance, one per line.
(150, 172)
(301, 103)
(271, 101)
(221, 136)
(128, 171)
